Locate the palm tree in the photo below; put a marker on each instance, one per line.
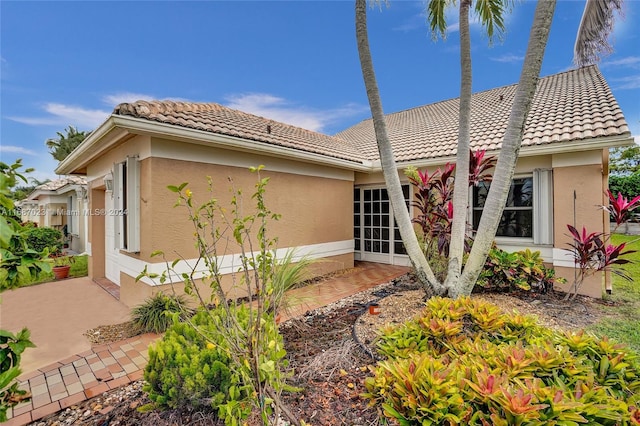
(423, 271)
(61, 147)
(499, 190)
(591, 40)
(506, 161)
(491, 14)
(593, 33)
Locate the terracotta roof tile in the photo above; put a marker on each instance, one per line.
(570, 106)
(215, 118)
(56, 184)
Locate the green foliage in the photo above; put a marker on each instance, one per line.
(523, 270)
(155, 314)
(39, 239)
(11, 348)
(623, 316)
(628, 185)
(61, 147)
(79, 268)
(184, 370)
(193, 364)
(464, 362)
(18, 262)
(247, 332)
(624, 161)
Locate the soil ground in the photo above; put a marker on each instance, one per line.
(329, 349)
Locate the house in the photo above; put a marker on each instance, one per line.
(60, 204)
(330, 189)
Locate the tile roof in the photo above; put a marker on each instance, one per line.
(215, 118)
(56, 184)
(576, 105)
(571, 106)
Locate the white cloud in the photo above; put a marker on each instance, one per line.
(61, 114)
(10, 149)
(626, 83)
(279, 109)
(629, 61)
(122, 97)
(508, 57)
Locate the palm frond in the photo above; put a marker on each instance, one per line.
(595, 28)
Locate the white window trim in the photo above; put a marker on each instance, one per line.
(126, 214)
(542, 210)
(543, 207)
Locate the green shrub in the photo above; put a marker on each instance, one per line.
(11, 348)
(193, 364)
(522, 270)
(184, 370)
(40, 238)
(629, 185)
(464, 362)
(155, 314)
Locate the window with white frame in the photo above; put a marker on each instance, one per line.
(72, 214)
(126, 195)
(528, 212)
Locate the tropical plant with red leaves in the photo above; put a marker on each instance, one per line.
(433, 198)
(479, 165)
(620, 208)
(592, 254)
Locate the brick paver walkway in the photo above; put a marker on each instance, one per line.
(105, 367)
(80, 377)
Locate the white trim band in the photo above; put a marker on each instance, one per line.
(227, 263)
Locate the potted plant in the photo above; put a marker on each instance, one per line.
(61, 265)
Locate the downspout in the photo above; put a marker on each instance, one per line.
(606, 226)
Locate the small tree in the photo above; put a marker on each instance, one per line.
(247, 332)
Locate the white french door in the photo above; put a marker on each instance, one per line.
(376, 235)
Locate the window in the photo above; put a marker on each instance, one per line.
(72, 214)
(372, 216)
(126, 212)
(517, 218)
(529, 209)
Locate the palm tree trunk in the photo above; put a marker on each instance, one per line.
(461, 188)
(392, 180)
(497, 197)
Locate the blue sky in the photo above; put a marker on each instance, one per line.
(70, 63)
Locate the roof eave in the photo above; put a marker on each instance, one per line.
(530, 151)
(152, 128)
(100, 140)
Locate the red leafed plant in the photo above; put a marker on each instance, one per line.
(591, 254)
(434, 193)
(620, 208)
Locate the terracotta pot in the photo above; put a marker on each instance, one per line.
(61, 272)
(374, 309)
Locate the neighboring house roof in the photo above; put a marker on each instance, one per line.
(215, 118)
(57, 186)
(572, 106)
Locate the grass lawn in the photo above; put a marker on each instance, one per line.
(623, 324)
(78, 269)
